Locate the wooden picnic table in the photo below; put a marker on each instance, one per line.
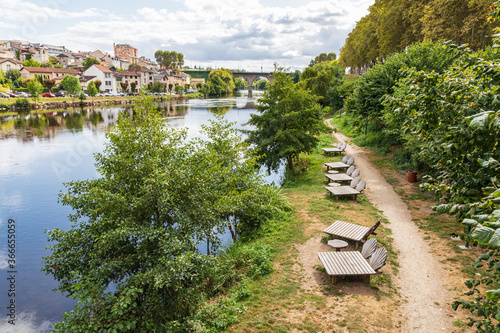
(345, 263)
(332, 150)
(336, 165)
(343, 190)
(338, 177)
(354, 232)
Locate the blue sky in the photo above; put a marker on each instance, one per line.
(227, 33)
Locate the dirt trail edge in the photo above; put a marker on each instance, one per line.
(421, 280)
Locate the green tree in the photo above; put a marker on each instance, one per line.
(35, 88)
(132, 86)
(239, 84)
(288, 122)
(92, 90)
(31, 63)
(321, 77)
(88, 62)
(157, 87)
(71, 84)
(98, 85)
(169, 59)
(49, 84)
(139, 225)
(124, 86)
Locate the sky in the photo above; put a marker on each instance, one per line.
(252, 35)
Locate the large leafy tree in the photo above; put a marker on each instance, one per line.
(321, 77)
(220, 82)
(288, 122)
(92, 90)
(138, 226)
(169, 59)
(35, 88)
(88, 62)
(49, 84)
(71, 84)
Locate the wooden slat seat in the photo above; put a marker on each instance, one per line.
(352, 232)
(355, 188)
(345, 263)
(341, 146)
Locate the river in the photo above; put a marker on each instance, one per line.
(37, 155)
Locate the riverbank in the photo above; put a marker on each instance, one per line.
(8, 105)
(298, 296)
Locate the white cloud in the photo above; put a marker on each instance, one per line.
(212, 31)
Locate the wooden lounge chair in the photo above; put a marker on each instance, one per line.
(347, 161)
(351, 232)
(350, 174)
(378, 259)
(341, 146)
(369, 248)
(348, 263)
(356, 187)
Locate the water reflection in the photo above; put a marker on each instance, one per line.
(27, 126)
(38, 153)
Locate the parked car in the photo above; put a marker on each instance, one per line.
(12, 95)
(48, 95)
(4, 95)
(60, 94)
(21, 94)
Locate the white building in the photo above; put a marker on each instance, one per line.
(103, 74)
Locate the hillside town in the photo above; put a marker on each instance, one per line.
(119, 73)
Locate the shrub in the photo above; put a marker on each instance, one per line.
(22, 103)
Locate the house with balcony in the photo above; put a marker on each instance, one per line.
(105, 75)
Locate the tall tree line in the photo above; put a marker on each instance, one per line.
(392, 25)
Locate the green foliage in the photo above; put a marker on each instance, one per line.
(393, 25)
(98, 84)
(484, 218)
(240, 84)
(288, 122)
(382, 79)
(31, 63)
(49, 84)
(139, 225)
(92, 89)
(169, 59)
(323, 57)
(220, 82)
(22, 103)
(71, 84)
(35, 88)
(157, 87)
(322, 77)
(448, 121)
(88, 62)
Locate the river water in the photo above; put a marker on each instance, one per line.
(37, 155)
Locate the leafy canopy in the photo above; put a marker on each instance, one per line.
(138, 226)
(287, 123)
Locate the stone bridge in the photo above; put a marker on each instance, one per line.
(250, 77)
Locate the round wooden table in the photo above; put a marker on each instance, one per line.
(337, 244)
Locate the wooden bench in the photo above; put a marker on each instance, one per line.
(353, 232)
(346, 263)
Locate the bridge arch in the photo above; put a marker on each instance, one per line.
(251, 77)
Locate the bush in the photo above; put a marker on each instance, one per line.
(22, 103)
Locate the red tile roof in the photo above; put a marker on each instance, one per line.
(104, 69)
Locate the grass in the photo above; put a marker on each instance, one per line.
(282, 301)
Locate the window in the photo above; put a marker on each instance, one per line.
(8, 67)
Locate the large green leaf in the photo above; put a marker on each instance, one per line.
(482, 234)
(494, 242)
(482, 120)
(482, 218)
(494, 295)
(494, 225)
(470, 222)
(496, 213)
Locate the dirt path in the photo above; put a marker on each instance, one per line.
(421, 280)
